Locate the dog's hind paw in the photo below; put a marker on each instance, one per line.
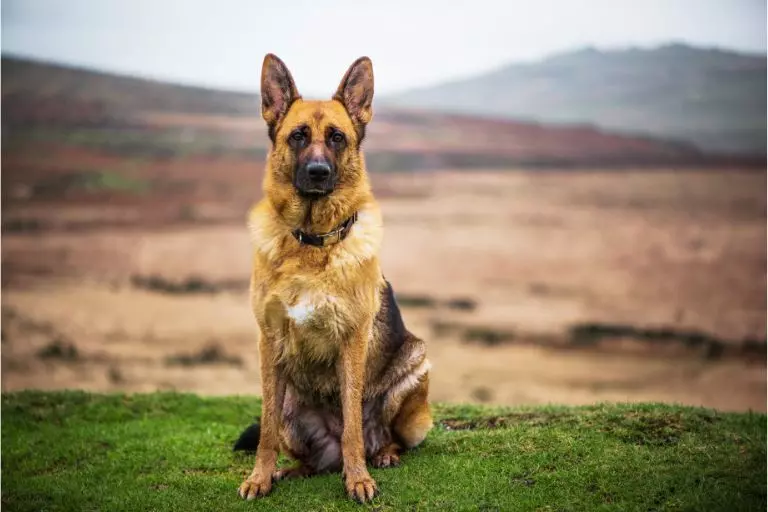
(386, 460)
(299, 471)
(388, 457)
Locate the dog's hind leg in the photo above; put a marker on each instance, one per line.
(410, 426)
(414, 419)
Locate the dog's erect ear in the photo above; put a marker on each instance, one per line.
(278, 90)
(355, 91)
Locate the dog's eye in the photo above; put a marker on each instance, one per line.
(297, 136)
(337, 138)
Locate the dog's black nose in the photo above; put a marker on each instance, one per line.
(318, 171)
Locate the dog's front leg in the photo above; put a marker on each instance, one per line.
(358, 483)
(273, 394)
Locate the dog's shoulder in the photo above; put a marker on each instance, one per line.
(265, 232)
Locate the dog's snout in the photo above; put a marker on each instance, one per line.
(315, 177)
(318, 171)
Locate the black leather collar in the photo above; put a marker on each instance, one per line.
(336, 235)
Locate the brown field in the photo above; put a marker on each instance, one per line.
(530, 286)
(125, 256)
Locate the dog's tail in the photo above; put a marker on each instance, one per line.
(249, 439)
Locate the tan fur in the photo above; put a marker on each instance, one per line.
(316, 308)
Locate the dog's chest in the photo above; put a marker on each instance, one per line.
(312, 310)
(316, 322)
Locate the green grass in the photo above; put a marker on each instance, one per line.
(78, 451)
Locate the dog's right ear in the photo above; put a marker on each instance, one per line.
(278, 91)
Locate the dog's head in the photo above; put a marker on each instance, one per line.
(316, 144)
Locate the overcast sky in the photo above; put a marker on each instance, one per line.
(221, 43)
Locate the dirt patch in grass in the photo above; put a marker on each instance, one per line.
(532, 419)
(524, 480)
(641, 428)
(655, 429)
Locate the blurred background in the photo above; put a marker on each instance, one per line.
(574, 193)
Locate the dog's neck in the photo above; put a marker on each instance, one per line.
(319, 216)
(338, 234)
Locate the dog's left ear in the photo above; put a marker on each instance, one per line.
(355, 91)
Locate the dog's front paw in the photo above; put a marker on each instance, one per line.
(255, 486)
(362, 488)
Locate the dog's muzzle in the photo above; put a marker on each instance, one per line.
(315, 178)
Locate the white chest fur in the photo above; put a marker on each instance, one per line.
(310, 306)
(317, 324)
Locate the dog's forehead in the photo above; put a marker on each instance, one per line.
(317, 115)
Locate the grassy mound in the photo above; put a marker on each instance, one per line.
(167, 451)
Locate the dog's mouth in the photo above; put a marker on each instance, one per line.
(312, 189)
(313, 193)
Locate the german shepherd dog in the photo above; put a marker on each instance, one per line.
(343, 381)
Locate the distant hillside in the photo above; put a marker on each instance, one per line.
(41, 81)
(713, 98)
(113, 113)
